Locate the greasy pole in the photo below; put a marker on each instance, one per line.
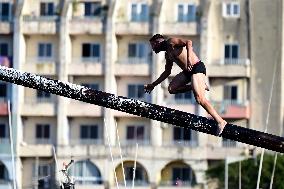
(140, 108)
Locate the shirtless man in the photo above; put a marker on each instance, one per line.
(194, 72)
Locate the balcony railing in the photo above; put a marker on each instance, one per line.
(35, 100)
(143, 142)
(134, 60)
(89, 180)
(87, 18)
(5, 18)
(136, 183)
(234, 61)
(229, 143)
(176, 183)
(186, 143)
(42, 141)
(29, 18)
(87, 60)
(86, 141)
(181, 101)
(4, 141)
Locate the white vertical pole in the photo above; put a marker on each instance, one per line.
(12, 145)
(240, 174)
(226, 173)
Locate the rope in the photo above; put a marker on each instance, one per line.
(120, 154)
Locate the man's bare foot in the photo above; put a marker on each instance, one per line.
(206, 87)
(221, 127)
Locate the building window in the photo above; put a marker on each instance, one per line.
(94, 86)
(231, 53)
(42, 133)
(3, 91)
(89, 132)
(231, 93)
(92, 9)
(139, 12)
(44, 50)
(85, 172)
(135, 133)
(186, 97)
(43, 96)
(182, 176)
(136, 91)
(181, 134)
(91, 52)
(44, 173)
(3, 49)
(231, 9)
(3, 172)
(186, 13)
(137, 52)
(47, 9)
(5, 11)
(3, 131)
(139, 176)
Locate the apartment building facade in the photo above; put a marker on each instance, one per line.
(103, 44)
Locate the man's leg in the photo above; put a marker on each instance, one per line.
(198, 85)
(179, 84)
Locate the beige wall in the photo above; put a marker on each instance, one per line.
(170, 9)
(124, 9)
(78, 40)
(123, 42)
(122, 124)
(122, 83)
(32, 7)
(217, 86)
(266, 53)
(29, 128)
(32, 46)
(86, 79)
(75, 123)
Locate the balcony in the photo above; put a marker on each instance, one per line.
(170, 184)
(32, 150)
(40, 24)
(186, 105)
(3, 106)
(181, 143)
(215, 152)
(232, 109)
(138, 67)
(173, 28)
(77, 108)
(132, 28)
(41, 65)
(81, 141)
(229, 68)
(34, 106)
(6, 184)
(5, 146)
(86, 25)
(6, 24)
(140, 142)
(86, 66)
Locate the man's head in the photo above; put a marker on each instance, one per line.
(158, 43)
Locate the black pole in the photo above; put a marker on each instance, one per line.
(140, 108)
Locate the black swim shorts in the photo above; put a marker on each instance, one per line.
(199, 67)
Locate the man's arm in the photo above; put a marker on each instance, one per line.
(168, 67)
(166, 73)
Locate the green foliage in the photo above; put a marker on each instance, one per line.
(250, 173)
